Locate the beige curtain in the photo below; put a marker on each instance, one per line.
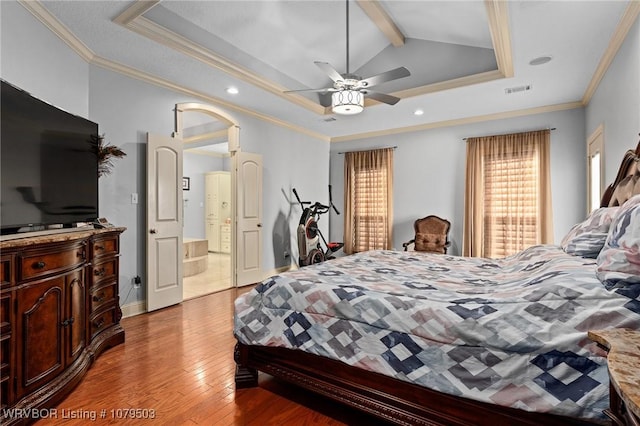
(507, 194)
(368, 200)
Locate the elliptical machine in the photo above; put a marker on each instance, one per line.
(309, 235)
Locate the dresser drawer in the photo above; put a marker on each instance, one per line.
(105, 247)
(43, 263)
(102, 296)
(103, 271)
(103, 320)
(6, 271)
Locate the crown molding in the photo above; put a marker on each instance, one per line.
(460, 121)
(498, 21)
(138, 8)
(149, 78)
(61, 31)
(500, 36)
(58, 28)
(497, 13)
(620, 34)
(446, 85)
(166, 37)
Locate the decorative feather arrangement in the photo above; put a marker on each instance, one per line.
(107, 153)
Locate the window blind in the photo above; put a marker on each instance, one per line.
(370, 198)
(511, 202)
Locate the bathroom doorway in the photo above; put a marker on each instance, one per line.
(207, 205)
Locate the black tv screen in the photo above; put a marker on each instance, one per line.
(49, 164)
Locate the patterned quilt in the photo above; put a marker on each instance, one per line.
(503, 331)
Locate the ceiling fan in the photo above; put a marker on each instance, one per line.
(348, 89)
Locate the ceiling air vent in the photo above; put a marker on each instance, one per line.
(517, 89)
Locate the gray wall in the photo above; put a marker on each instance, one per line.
(616, 104)
(39, 62)
(429, 172)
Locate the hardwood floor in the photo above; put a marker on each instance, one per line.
(177, 363)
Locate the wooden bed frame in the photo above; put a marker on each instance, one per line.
(390, 399)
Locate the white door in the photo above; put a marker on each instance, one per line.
(164, 221)
(249, 213)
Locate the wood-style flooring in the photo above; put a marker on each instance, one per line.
(178, 362)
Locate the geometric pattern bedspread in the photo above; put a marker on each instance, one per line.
(510, 331)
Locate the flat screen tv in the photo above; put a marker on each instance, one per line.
(49, 165)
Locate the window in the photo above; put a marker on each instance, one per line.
(595, 147)
(508, 197)
(368, 200)
(510, 204)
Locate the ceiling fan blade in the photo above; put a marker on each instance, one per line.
(331, 72)
(382, 97)
(325, 90)
(385, 76)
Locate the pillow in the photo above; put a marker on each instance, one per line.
(619, 260)
(586, 239)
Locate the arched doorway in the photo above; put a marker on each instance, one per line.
(204, 129)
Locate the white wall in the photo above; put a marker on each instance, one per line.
(616, 104)
(429, 172)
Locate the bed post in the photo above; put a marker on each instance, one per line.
(246, 377)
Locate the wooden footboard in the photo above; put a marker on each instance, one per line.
(384, 397)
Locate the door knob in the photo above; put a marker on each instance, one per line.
(153, 231)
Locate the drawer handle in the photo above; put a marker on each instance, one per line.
(99, 298)
(39, 265)
(99, 323)
(81, 254)
(96, 247)
(99, 272)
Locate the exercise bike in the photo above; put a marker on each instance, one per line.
(309, 235)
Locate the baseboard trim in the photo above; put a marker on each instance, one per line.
(133, 309)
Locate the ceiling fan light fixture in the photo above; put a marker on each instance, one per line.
(347, 102)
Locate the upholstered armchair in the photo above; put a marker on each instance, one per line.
(432, 235)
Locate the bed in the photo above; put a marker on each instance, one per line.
(428, 339)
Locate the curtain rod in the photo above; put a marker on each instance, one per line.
(502, 134)
(363, 150)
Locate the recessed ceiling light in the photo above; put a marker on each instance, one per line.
(540, 60)
(232, 90)
(418, 112)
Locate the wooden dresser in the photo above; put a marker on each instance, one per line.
(59, 309)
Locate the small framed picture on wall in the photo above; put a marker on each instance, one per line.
(186, 183)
